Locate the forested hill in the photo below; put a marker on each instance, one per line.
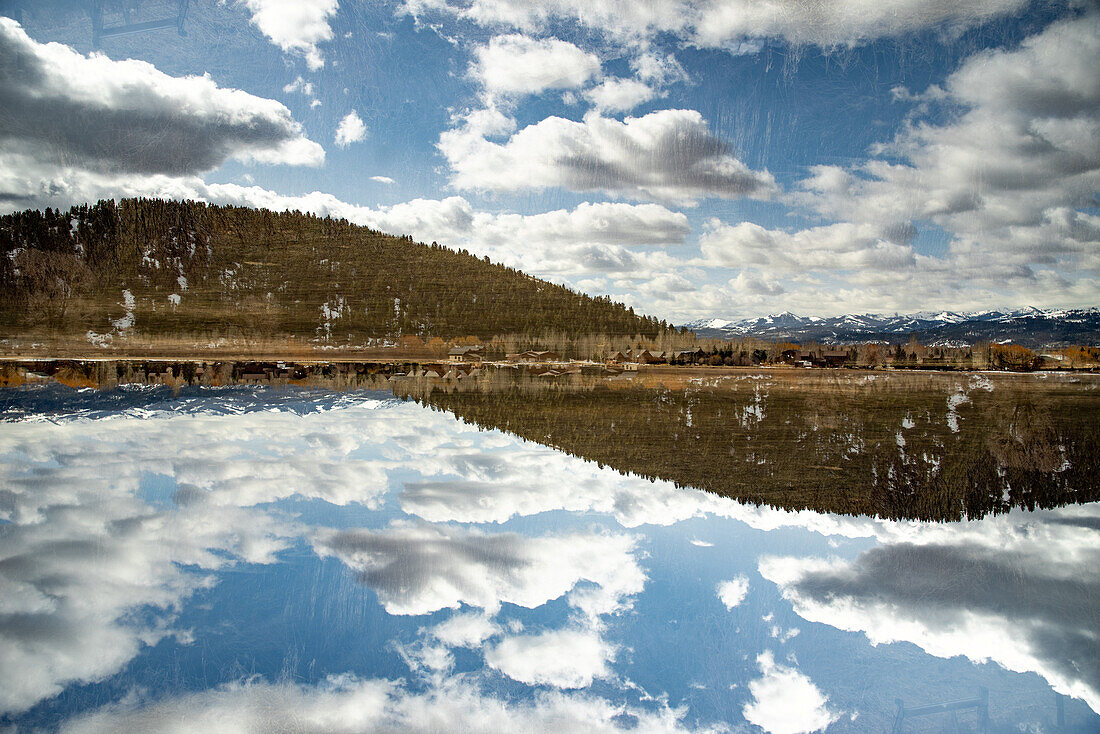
(171, 268)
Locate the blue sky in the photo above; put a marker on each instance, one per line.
(713, 158)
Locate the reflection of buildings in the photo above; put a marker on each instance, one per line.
(533, 355)
(977, 707)
(135, 18)
(109, 18)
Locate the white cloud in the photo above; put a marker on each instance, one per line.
(126, 116)
(734, 591)
(346, 704)
(299, 85)
(518, 65)
(1039, 620)
(295, 26)
(465, 630)
(562, 658)
(843, 246)
(785, 701)
(841, 22)
(619, 95)
(418, 568)
(728, 23)
(1004, 174)
(660, 70)
(350, 130)
(81, 551)
(668, 155)
(382, 179)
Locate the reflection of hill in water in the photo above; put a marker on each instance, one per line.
(933, 447)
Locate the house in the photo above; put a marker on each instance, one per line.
(646, 356)
(690, 356)
(834, 358)
(790, 356)
(465, 354)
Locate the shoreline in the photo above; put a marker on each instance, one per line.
(54, 364)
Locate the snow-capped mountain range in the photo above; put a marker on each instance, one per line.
(1030, 327)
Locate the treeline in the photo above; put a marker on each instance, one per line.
(185, 268)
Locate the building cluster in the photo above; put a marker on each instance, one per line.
(652, 356)
(814, 358)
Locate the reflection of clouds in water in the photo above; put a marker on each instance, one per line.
(734, 591)
(349, 705)
(1021, 589)
(241, 460)
(419, 568)
(785, 701)
(81, 554)
(82, 550)
(565, 658)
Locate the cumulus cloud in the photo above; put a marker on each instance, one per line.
(652, 73)
(1023, 146)
(726, 23)
(562, 658)
(1004, 172)
(345, 704)
(128, 116)
(785, 701)
(668, 155)
(82, 548)
(350, 130)
(519, 65)
(382, 179)
(619, 95)
(465, 630)
(295, 26)
(81, 552)
(1030, 580)
(847, 22)
(734, 591)
(418, 568)
(842, 246)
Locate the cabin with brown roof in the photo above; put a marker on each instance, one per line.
(465, 354)
(647, 356)
(835, 358)
(690, 356)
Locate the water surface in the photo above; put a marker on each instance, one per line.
(248, 559)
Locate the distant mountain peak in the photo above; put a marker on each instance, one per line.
(1029, 326)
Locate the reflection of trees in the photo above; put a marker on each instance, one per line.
(830, 449)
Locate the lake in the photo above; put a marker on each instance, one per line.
(520, 553)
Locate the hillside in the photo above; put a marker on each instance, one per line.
(146, 270)
(1029, 327)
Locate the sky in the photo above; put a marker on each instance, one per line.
(717, 158)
